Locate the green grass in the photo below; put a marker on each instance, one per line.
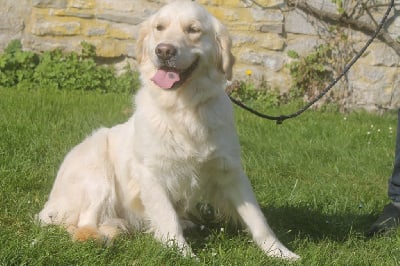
(321, 180)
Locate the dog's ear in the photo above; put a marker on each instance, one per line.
(225, 59)
(140, 48)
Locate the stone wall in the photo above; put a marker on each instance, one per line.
(262, 32)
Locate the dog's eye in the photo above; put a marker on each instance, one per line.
(160, 27)
(193, 29)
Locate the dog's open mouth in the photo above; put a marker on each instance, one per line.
(169, 77)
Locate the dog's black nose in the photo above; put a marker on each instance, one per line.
(165, 51)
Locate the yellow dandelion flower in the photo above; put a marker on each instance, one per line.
(249, 72)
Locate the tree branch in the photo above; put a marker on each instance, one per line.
(346, 21)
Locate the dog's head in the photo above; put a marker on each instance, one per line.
(182, 41)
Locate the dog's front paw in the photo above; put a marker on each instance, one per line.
(278, 250)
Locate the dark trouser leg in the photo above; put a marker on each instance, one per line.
(390, 216)
(394, 181)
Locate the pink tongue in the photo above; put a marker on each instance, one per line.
(165, 79)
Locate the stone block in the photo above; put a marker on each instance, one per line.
(48, 28)
(273, 28)
(382, 55)
(83, 4)
(303, 45)
(224, 3)
(121, 31)
(50, 3)
(260, 15)
(326, 5)
(131, 50)
(73, 13)
(137, 6)
(41, 44)
(10, 24)
(298, 22)
(239, 39)
(271, 61)
(120, 18)
(227, 15)
(271, 41)
(373, 87)
(96, 31)
(275, 80)
(110, 48)
(270, 3)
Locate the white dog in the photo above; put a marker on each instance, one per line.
(179, 148)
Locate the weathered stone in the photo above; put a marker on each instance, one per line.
(96, 31)
(13, 20)
(56, 28)
(303, 45)
(122, 31)
(372, 87)
(83, 4)
(272, 41)
(275, 28)
(273, 62)
(78, 14)
(121, 5)
(382, 55)
(260, 15)
(325, 5)
(395, 100)
(50, 3)
(394, 27)
(131, 50)
(39, 44)
(120, 18)
(108, 48)
(11, 23)
(267, 3)
(259, 74)
(262, 35)
(297, 22)
(224, 3)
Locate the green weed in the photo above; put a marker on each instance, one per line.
(62, 71)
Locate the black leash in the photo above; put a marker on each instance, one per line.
(279, 119)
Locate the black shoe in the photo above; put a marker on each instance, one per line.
(389, 219)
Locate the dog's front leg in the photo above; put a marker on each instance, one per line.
(241, 195)
(160, 212)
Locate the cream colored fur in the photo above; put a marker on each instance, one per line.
(178, 148)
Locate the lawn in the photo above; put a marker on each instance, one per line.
(321, 180)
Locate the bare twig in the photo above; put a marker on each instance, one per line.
(347, 21)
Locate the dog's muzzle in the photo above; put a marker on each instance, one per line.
(167, 75)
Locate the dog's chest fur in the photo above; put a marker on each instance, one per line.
(186, 145)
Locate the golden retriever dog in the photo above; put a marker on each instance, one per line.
(179, 148)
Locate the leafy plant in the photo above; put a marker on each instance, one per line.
(310, 73)
(262, 95)
(17, 66)
(63, 71)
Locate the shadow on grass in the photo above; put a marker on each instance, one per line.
(290, 222)
(301, 221)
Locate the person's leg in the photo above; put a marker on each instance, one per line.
(390, 216)
(394, 181)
